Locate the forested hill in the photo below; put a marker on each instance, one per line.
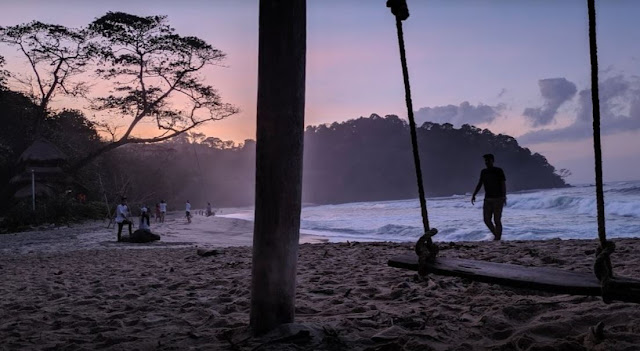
(365, 159)
(369, 159)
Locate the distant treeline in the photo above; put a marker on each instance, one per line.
(368, 159)
(364, 159)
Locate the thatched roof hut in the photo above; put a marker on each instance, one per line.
(42, 151)
(44, 160)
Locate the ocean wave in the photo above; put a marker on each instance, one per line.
(399, 231)
(634, 190)
(388, 232)
(574, 204)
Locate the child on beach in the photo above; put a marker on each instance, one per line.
(157, 212)
(163, 210)
(144, 218)
(122, 216)
(188, 211)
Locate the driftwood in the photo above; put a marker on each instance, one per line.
(553, 280)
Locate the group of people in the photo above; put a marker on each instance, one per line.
(208, 212)
(123, 215)
(492, 178)
(161, 210)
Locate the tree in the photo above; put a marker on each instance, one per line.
(4, 74)
(154, 74)
(56, 55)
(17, 114)
(280, 130)
(72, 132)
(564, 173)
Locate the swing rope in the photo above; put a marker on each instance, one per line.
(425, 248)
(602, 266)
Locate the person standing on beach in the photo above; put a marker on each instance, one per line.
(157, 212)
(188, 211)
(209, 209)
(163, 210)
(144, 216)
(122, 217)
(495, 195)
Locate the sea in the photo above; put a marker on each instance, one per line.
(565, 213)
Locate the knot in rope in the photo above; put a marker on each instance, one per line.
(426, 251)
(399, 9)
(602, 266)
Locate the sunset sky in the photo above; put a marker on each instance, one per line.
(515, 67)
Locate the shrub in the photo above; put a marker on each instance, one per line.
(53, 210)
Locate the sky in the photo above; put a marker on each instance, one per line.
(515, 67)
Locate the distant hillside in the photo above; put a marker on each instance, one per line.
(369, 159)
(365, 159)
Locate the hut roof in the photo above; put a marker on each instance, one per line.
(42, 151)
(49, 174)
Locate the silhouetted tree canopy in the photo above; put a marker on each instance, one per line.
(56, 56)
(69, 130)
(152, 74)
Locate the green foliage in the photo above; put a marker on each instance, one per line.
(18, 112)
(365, 159)
(369, 159)
(72, 132)
(54, 210)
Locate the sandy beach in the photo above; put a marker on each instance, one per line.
(76, 289)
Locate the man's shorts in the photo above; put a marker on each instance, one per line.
(188, 213)
(493, 206)
(124, 221)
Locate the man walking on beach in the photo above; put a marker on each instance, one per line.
(188, 211)
(495, 195)
(122, 217)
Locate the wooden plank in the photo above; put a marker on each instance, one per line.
(548, 279)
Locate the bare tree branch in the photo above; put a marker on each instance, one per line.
(56, 55)
(161, 70)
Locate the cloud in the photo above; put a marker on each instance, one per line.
(619, 111)
(555, 92)
(465, 113)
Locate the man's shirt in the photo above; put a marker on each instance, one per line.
(121, 213)
(492, 179)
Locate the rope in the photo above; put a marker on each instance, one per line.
(602, 266)
(425, 248)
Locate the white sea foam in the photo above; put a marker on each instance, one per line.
(568, 213)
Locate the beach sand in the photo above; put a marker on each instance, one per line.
(164, 296)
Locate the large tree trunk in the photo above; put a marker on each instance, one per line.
(280, 130)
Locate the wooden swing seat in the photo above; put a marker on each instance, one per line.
(553, 280)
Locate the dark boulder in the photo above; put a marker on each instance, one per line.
(143, 236)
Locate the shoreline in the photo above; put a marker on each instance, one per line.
(204, 231)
